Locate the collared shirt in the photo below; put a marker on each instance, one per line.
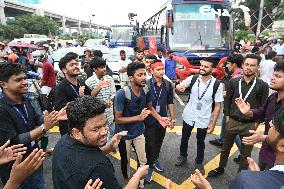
(267, 111)
(266, 70)
(64, 93)
(161, 96)
(170, 68)
(105, 94)
(279, 49)
(256, 98)
(191, 115)
(14, 128)
(130, 108)
(74, 163)
(123, 63)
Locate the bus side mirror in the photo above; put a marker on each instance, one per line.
(169, 19)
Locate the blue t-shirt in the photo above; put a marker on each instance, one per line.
(131, 108)
(170, 68)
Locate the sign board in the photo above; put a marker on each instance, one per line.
(29, 1)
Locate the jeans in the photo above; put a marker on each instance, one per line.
(238, 141)
(35, 181)
(201, 134)
(154, 136)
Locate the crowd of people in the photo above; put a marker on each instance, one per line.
(95, 118)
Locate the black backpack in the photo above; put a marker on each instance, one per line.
(215, 88)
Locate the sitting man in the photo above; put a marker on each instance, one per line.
(80, 155)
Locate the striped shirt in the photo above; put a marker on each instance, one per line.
(105, 94)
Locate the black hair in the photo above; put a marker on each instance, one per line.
(160, 49)
(278, 120)
(135, 49)
(237, 59)
(98, 53)
(279, 66)
(145, 48)
(97, 62)
(9, 69)
(82, 109)
(212, 60)
(254, 56)
(122, 52)
(151, 56)
(132, 67)
(169, 51)
(271, 55)
(67, 58)
(139, 51)
(255, 49)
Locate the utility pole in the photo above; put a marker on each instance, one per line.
(260, 15)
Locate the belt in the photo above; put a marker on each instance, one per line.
(241, 120)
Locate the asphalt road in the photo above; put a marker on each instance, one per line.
(168, 155)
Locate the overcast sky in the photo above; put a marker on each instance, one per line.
(106, 12)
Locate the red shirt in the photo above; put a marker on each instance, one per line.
(48, 77)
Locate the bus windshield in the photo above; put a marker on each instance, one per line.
(122, 34)
(195, 30)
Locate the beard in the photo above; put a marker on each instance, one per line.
(204, 73)
(273, 144)
(141, 84)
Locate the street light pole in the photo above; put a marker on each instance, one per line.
(90, 25)
(260, 15)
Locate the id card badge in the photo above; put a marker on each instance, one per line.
(158, 108)
(199, 105)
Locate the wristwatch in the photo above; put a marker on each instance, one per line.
(43, 129)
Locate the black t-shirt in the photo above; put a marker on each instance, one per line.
(74, 163)
(258, 180)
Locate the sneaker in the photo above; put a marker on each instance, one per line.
(216, 172)
(216, 142)
(200, 167)
(180, 161)
(237, 160)
(148, 177)
(158, 166)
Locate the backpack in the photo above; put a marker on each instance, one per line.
(215, 88)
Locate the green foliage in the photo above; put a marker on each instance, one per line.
(241, 34)
(29, 24)
(83, 38)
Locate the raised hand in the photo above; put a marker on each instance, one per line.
(82, 91)
(252, 165)
(242, 105)
(116, 139)
(180, 88)
(199, 181)
(94, 185)
(8, 154)
(254, 138)
(50, 119)
(104, 83)
(62, 115)
(144, 113)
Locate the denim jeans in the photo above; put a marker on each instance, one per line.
(35, 181)
(200, 136)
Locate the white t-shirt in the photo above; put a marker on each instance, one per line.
(279, 49)
(201, 117)
(123, 63)
(266, 70)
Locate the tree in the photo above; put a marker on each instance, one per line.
(29, 24)
(268, 4)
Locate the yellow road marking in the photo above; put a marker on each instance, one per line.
(187, 184)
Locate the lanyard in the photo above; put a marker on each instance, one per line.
(249, 91)
(20, 113)
(157, 96)
(75, 89)
(202, 95)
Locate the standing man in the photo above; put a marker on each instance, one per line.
(267, 67)
(205, 92)
(268, 110)
(279, 48)
(132, 105)
(81, 155)
(104, 89)
(123, 63)
(160, 55)
(48, 80)
(70, 87)
(146, 51)
(162, 101)
(19, 122)
(170, 65)
(251, 90)
(139, 56)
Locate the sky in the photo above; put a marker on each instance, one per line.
(106, 12)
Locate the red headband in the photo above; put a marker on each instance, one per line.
(156, 64)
